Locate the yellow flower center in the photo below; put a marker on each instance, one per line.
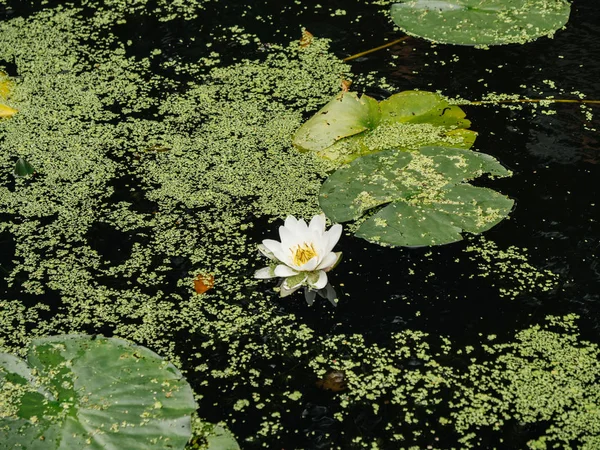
(303, 253)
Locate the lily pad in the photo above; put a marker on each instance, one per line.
(78, 391)
(349, 127)
(220, 438)
(481, 22)
(345, 115)
(428, 201)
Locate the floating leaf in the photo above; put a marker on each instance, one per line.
(481, 22)
(23, 168)
(428, 202)
(203, 283)
(408, 120)
(220, 438)
(306, 39)
(6, 86)
(7, 111)
(422, 107)
(92, 392)
(344, 116)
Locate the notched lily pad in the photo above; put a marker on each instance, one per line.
(78, 391)
(349, 126)
(345, 115)
(481, 22)
(428, 201)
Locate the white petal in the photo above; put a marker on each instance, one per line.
(329, 260)
(288, 237)
(264, 273)
(309, 265)
(276, 248)
(338, 256)
(317, 224)
(321, 281)
(284, 271)
(295, 225)
(265, 251)
(333, 236)
(283, 292)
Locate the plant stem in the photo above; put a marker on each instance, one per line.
(533, 100)
(381, 47)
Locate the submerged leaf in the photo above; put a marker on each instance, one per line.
(480, 22)
(428, 200)
(334, 380)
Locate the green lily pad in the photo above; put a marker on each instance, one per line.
(349, 127)
(481, 22)
(221, 438)
(429, 202)
(345, 115)
(96, 393)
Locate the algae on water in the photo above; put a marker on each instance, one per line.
(151, 170)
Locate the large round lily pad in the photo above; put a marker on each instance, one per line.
(80, 392)
(481, 22)
(428, 201)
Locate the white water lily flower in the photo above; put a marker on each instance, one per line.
(303, 256)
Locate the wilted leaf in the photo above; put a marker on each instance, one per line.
(203, 282)
(346, 85)
(307, 38)
(334, 380)
(7, 111)
(6, 86)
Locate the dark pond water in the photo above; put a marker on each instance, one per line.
(556, 164)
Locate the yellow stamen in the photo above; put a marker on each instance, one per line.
(301, 254)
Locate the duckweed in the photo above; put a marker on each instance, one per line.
(109, 236)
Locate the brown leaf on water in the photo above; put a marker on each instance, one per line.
(6, 111)
(203, 282)
(334, 380)
(346, 85)
(307, 38)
